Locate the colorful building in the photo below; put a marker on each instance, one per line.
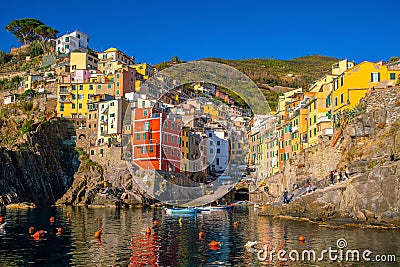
(72, 41)
(353, 84)
(112, 59)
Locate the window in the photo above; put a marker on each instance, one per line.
(117, 84)
(74, 87)
(336, 103)
(117, 75)
(341, 80)
(335, 85)
(211, 151)
(217, 161)
(99, 86)
(90, 86)
(172, 138)
(128, 127)
(218, 150)
(117, 92)
(375, 77)
(143, 150)
(341, 98)
(151, 149)
(393, 76)
(218, 143)
(112, 104)
(144, 136)
(81, 96)
(172, 151)
(315, 131)
(81, 87)
(90, 116)
(73, 106)
(67, 39)
(66, 46)
(73, 97)
(80, 105)
(137, 136)
(209, 134)
(109, 86)
(145, 112)
(112, 115)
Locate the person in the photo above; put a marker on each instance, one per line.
(340, 176)
(266, 189)
(346, 172)
(332, 178)
(285, 196)
(309, 187)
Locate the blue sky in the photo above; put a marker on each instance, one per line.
(154, 31)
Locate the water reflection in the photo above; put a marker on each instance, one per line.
(124, 241)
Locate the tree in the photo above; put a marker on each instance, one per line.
(175, 59)
(24, 29)
(35, 49)
(4, 57)
(45, 33)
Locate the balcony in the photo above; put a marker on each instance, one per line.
(64, 100)
(64, 91)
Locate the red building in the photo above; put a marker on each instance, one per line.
(155, 140)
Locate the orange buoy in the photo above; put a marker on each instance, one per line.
(97, 234)
(214, 243)
(39, 234)
(148, 230)
(155, 223)
(31, 230)
(302, 238)
(201, 235)
(235, 224)
(51, 219)
(2, 219)
(59, 231)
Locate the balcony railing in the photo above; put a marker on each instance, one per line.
(64, 91)
(64, 100)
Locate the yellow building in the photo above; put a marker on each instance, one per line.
(112, 59)
(354, 83)
(210, 109)
(185, 149)
(29, 81)
(83, 61)
(341, 66)
(145, 69)
(73, 99)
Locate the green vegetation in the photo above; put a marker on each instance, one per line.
(85, 158)
(26, 127)
(270, 72)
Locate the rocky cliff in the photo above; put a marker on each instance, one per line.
(39, 168)
(370, 147)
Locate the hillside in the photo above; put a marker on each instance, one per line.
(269, 72)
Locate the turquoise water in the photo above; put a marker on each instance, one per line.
(124, 242)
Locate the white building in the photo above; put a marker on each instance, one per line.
(72, 41)
(217, 150)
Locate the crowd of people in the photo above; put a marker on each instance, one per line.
(334, 176)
